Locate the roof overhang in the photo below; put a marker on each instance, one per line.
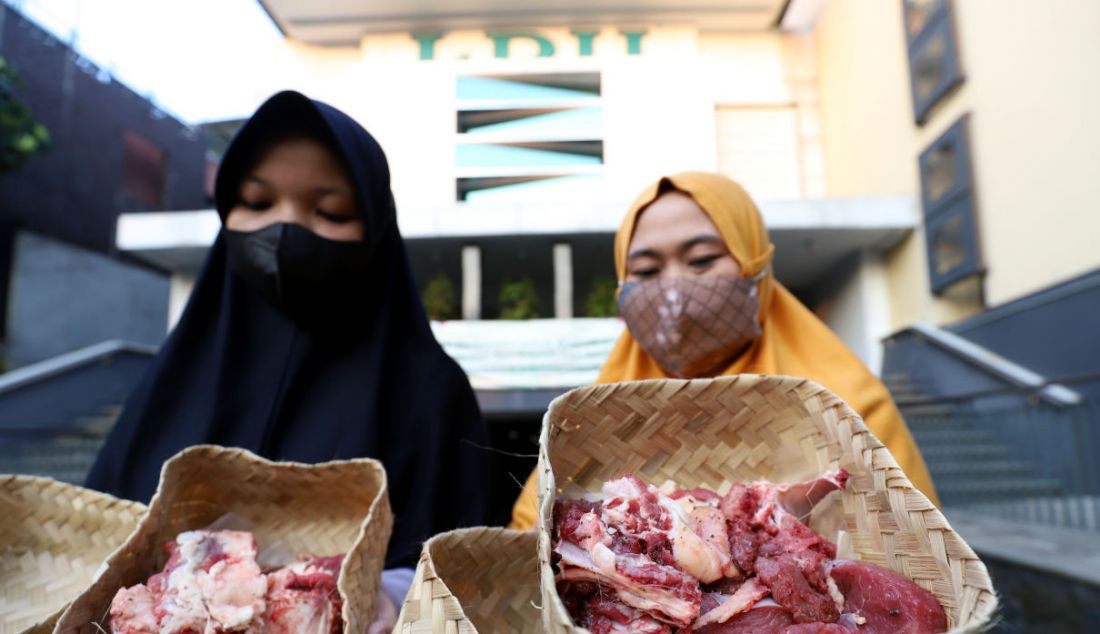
(346, 21)
(810, 236)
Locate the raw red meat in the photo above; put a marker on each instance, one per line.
(890, 603)
(212, 584)
(819, 628)
(792, 590)
(302, 598)
(766, 617)
(730, 606)
(690, 561)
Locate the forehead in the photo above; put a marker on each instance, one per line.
(669, 221)
(305, 153)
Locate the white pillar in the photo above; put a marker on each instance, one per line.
(563, 281)
(471, 282)
(859, 309)
(876, 301)
(179, 291)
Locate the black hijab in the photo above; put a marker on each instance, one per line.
(236, 371)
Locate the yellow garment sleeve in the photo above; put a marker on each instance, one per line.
(525, 510)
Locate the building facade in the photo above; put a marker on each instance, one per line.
(112, 151)
(913, 161)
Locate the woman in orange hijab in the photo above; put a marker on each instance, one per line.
(699, 300)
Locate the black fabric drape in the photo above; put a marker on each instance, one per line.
(236, 371)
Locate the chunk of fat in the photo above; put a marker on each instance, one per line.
(740, 601)
(591, 531)
(132, 612)
(578, 564)
(694, 554)
(233, 592)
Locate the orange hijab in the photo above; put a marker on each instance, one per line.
(793, 341)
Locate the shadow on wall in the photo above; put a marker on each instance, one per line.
(62, 298)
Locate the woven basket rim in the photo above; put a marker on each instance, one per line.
(447, 609)
(979, 619)
(10, 483)
(377, 519)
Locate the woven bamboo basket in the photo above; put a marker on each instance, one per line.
(324, 509)
(474, 580)
(54, 537)
(715, 432)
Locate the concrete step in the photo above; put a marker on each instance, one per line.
(937, 422)
(111, 410)
(930, 409)
(72, 476)
(49, 463)
(960, 492)
(67, 445)
(952, 436)
(1068, 511)
(954, 453)
(982, 469)
(100, 425)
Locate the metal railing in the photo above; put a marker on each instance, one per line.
(995, 365)
(1032, 463)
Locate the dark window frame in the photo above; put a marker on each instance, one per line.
(956, 203)
(140, 179)
(957, 138)
(940, 23)
(971, 264)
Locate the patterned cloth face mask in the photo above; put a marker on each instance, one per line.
(692, 325)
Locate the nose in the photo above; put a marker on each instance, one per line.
(674, 268)
(290, 212)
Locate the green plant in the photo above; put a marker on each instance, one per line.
(20, 135)
(439, 298)
(518, 299)
(601, 298)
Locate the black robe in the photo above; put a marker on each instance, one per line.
(237, 372)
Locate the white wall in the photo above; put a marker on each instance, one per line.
(859, 311)
(659, 113)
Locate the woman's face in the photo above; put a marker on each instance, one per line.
(298, 181)
(674, 237)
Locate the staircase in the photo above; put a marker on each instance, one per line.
(54, 414)
(975, 471)
(66, 455)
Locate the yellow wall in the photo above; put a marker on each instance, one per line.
(1032, 90)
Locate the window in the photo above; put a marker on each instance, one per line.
(934, 69)
(143, 168)
(947, 195)
(527, 135)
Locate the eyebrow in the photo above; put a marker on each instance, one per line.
(705, 238)
(323, 190)
(643, 253)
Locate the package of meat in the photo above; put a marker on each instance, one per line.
(718, 434)
(474, 580)
(54, 538)
(321, 511)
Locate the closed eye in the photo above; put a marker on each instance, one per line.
(336, 218)
(256, 205)
(704, 261)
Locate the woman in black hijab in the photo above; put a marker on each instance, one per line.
(304, 338)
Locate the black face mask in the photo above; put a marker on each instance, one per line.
(313, 280)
